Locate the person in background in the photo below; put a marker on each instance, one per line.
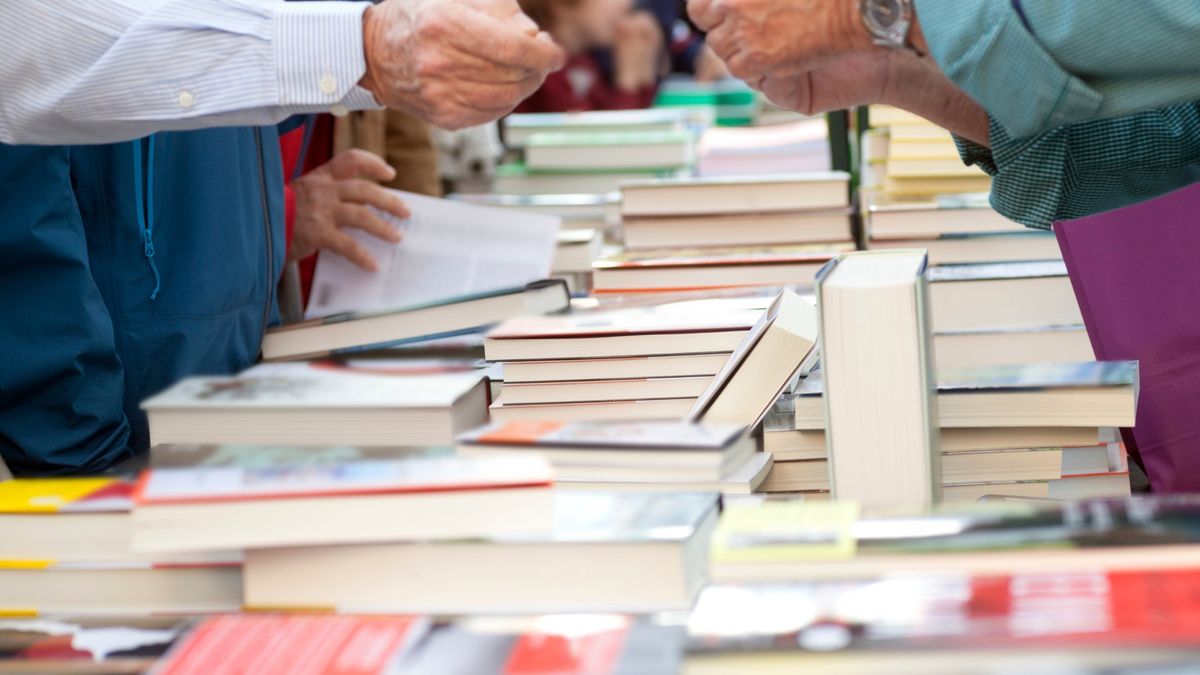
(617, 54)
(1073, 107)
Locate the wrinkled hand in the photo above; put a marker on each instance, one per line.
(858, 79)
(709, 67)
(336, 195)
(779, 37)
(455, 64)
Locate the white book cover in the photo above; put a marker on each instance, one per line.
(316, 385)
(448, 249)
(419, 474)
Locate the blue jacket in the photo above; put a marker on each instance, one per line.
(90, 323)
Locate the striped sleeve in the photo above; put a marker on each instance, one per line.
(90, 71)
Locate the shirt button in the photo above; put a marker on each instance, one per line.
(339, 110)
(328, 84)
(186, 99)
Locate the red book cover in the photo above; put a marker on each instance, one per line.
(283, 645)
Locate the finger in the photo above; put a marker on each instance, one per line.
(344, 245)
(355, 162)
(507, 45)
(706, 14)
(362, 191)
(363, 218)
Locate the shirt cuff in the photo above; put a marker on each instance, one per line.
(319, 54)
(1004, 67)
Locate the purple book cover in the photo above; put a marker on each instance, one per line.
(1136, 274)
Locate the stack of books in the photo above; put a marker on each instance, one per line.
(988, 314)
(713, 233)
(593, 152)
(636, 363)
(643, 456)
(908, 156)
(410, 535)
(66, 550)
(953, 228)
(1023, 431)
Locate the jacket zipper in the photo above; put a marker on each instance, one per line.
(266, 216)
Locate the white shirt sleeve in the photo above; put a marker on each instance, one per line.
(98, 71)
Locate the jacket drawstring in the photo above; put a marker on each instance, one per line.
(145, 206)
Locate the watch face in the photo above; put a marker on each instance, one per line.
(884, 15)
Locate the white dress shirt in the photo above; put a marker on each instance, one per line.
(99, 71)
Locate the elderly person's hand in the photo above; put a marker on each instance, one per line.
(455, 64)
(336, 195)
(898, 78)
(780, 37)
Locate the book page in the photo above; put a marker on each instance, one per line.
(449, 249)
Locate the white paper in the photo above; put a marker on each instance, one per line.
(449, 249)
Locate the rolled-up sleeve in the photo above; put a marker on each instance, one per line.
(1040, 64)
(1086, 168)
(94, 71)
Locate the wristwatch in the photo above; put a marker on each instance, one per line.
(888, 21)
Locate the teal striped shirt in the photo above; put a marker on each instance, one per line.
(1093, 104)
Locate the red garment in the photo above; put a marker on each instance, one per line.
(320, 150)
(582, 85)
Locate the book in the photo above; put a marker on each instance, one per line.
(899, 167)
(519, 127)
(891, 218)
(955, 248)
(582, 565)
(750, 229)
(77, 522)
(605, 644)
(980, 348)
(610, 151)
(790, 147)
(740, 481)
(1099, 485)
(790, 444)
(1090, 394)
(994, 296)
(675, 269)
(517, 179)
(778, 347)
(627, 411)
(337, 502)
(929, 186)
(577, 250)
(671, 328)
(604, 390)
(320, 403)
(40, 588)
(1000, 537)
(630, 368)
(265, 643)
(735, 195)
(449, 249)
(87, 645)
(590, 449)
(360, 331)
(1134, 286)
(1080, 621)
(577, 211)
(977, 466)
(876, 361)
